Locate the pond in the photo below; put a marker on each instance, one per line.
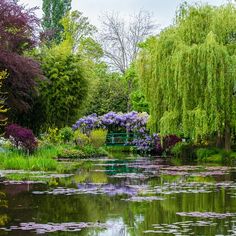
(120, 197)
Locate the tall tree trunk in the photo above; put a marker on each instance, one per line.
(227, 138)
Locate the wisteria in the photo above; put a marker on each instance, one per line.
(132, 122)
(87, 123)
(127, 122)
(146, 142)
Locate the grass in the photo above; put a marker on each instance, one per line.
(44, 159)
(41, 160)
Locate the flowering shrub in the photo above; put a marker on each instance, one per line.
(21, 138)
(146, 143)
(153, 143)
(5, 143)
(80, 138)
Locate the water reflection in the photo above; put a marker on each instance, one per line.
(129, 197)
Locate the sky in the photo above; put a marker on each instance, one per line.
(163, 11)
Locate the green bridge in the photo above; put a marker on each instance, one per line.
(120, 139)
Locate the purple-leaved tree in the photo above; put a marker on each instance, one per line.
(18, 27)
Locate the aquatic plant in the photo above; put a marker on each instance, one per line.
(207, 214)
(55, 227)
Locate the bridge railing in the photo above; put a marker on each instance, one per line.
(120, 139)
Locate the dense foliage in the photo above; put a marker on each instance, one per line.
(67, 85)
(22, 71)
(184, 77)
(188, 74)
(110, 93)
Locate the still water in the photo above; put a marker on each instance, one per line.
(120, 197)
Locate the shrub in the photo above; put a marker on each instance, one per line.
(81, 139)
(71, 154)
(205, 152)
(5, 143)
(50, 137)
(170, 140)
(216, 158)
(21, 138)
(178, 149)
(216, 155)
(165, 145)
(184, 150)
(66, 134)
(98, 137)
(91, 151)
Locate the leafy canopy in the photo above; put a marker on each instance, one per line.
(188, 73)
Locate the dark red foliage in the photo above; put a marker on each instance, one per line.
(166, 144)
(21, 137)
(17, 26)
(20, 85)
(17, 34)
(170, 140)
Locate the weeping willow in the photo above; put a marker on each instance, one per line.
(188, 73)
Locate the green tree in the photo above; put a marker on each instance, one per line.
(135, 98)
(109, 92)
(138, 101)
(53, 12)
(77, 28)
(188, 74)
(67, 85)
(70, 70)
